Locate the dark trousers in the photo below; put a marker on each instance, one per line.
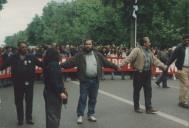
(142, 79)
(21, 92)
(53, 105)
(162, 78)
(88, 88)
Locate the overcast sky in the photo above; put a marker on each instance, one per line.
(16, 14)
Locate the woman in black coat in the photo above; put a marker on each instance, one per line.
(54, 91)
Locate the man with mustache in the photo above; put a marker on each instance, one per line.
(142, 59)
(89, 63)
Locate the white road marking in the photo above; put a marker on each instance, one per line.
(162, 114)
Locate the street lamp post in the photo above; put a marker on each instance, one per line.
(187, 16)
(134, 24)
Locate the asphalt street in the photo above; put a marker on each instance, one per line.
(114, 107)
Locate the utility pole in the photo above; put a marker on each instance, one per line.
(132, 33)
(187, 16)
(134, 24)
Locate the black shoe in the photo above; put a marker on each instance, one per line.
(183, 105)
(139, 110)
(157, 84)
(151, 111)
(20, 123)
(30, 122)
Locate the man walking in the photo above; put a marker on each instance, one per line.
(162, 78)
(181, 55)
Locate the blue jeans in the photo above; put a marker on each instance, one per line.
(88, 88)
(162, 78)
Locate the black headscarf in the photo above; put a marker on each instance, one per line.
(50, 56)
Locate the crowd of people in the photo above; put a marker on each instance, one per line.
(68, 50)
(89, 61)
(110, 50)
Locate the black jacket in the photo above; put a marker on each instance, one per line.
(53, 78)
(22, 70)
(79, 62)
(178, 55)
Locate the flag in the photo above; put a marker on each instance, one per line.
(135, 9)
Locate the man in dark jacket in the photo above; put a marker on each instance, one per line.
(23, 73)
(181, 55)
(89, 63)
(163, 57)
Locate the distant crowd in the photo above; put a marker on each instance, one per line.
(110, 50)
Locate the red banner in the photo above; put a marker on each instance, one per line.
(127, 68)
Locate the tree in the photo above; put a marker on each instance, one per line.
(73, 22)
(35, 31)
(12, 40)
(155, 19)
(1, 3)
(164, 21)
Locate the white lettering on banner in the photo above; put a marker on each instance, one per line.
(120, 61)
(108, 59)
(172, 68)
(115, 61)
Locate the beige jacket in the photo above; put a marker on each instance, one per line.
(137, 58)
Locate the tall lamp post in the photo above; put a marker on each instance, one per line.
(134, 24)
(187, 16)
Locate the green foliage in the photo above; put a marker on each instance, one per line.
(2, 2)
(164, 21)
(160, 20)
(73, 22)
(35, 30)
(12, 40)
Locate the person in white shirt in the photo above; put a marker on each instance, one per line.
(181, 55)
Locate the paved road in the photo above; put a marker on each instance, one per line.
(114, 107)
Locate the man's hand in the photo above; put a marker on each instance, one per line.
(63, 96)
